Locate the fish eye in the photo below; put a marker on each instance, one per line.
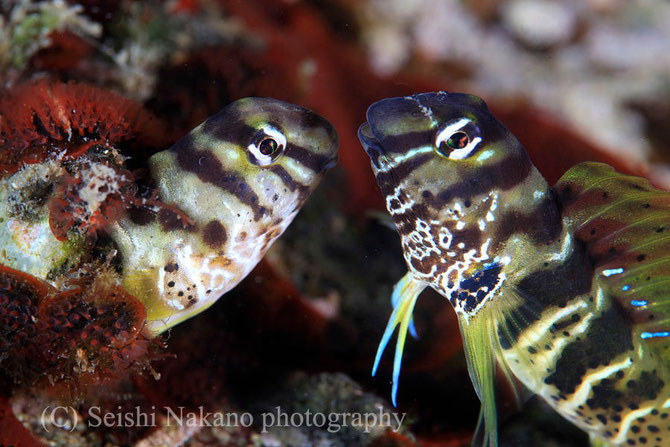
(455, 142)
(266, 146)
(458, 140)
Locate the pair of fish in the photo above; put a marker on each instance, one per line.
(563, 289)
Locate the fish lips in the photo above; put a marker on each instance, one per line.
(330, 163)
(371, 145)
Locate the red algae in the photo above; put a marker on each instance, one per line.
(45, 119)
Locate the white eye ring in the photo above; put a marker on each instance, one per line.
(451, 129)
(264, 133)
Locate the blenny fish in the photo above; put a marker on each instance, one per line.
(563, 289)
(241, 176)
(227, 190)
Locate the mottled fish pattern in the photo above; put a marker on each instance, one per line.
(235, 183)
(565, 289)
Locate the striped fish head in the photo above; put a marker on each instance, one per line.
(261, 157)
(451, 173)
(240, 178)
(281, 150)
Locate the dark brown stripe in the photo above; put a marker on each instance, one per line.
(311, 120)
(556, 285)
(504, 175)
(389, 180)
(608, 336)
(209, 169)
(401, 144)
(543, 224)
(315, 162)
(228, 126)
(289, 182)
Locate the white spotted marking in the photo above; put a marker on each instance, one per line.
(406, 202)
(445, 237)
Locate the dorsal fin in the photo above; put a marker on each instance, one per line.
(624, 223)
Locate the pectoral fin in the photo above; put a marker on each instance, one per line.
(400, 293)
(405, 293)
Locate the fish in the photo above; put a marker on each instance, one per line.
(563, 289)
(229, 189)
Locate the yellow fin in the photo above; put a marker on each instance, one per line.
(405, 294)
(481, 335)
(478, 335)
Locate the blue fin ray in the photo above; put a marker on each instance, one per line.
(405, 294)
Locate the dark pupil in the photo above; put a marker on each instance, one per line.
(458, 140)
(268, 146)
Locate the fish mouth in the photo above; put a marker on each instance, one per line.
(371, 145)
(331, 162)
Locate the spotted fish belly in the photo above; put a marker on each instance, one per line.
(180, 274)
